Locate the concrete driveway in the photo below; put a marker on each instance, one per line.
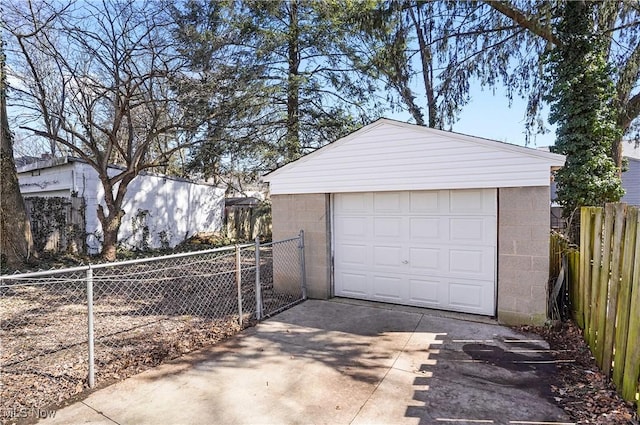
(340, 362)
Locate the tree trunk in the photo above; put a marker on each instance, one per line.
(112, 219)
(16, 243)
(110, 227)
(427, 68)
(293, 86)
(617, 154)
(110, 244)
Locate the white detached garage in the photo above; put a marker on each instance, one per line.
(405, 214)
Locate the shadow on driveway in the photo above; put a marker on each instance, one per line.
(341, 362)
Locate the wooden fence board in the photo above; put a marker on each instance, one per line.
(600, 277)
(590, 244)
(585, 269)
(611, 296)
(624, 296)
(58, 223)
(247, 222)
(632, 355)
(554, 249)
(574, 285)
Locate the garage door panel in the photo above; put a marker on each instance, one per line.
(425, 259)
(426, 229)
(422, 248)
(387, 256)
(466, 201)
(353, 284)
(478, 263)
(353, 254)
(466, 261)
(350, 227)
(466, 229)
(472, 202)
(387, 227)
(354, 202)
(425, 291)
(388, 202)
(470, 295)
(425, 202)
(387, 288)
(465, 295)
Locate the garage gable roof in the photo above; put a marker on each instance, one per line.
(390, 155)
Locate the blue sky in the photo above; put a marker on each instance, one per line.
(491, 117)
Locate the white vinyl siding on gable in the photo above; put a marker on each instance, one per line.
(390, 156)
(631, 182)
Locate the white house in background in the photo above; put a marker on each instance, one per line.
(630, 182)
(172, 209)
(631, 177)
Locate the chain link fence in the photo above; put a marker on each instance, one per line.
(62, 331)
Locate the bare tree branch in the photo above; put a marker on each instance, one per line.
(113, 101)
(530, 23)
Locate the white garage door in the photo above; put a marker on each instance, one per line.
(432, 249)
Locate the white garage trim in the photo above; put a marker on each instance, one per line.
(433, 249)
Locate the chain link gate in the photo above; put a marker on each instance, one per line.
(64, 330)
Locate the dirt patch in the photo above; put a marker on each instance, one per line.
(144, 314)
(47, 382)
(581, 389)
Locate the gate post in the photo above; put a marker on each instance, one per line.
(90, 334)
(258, 285)
(303, 273)
(239, 284)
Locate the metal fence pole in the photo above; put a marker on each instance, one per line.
(303, 272)
(90, 335)
(258, 285)
(239, 284)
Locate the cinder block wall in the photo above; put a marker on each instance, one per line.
(309, 212)
(523, 254)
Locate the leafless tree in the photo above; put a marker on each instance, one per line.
(100, 78)
(16, 244)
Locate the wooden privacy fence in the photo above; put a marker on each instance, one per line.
(564, 268)
(57, 223)
(247, 222)
(605, 295)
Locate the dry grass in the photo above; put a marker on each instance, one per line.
(139, 323)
